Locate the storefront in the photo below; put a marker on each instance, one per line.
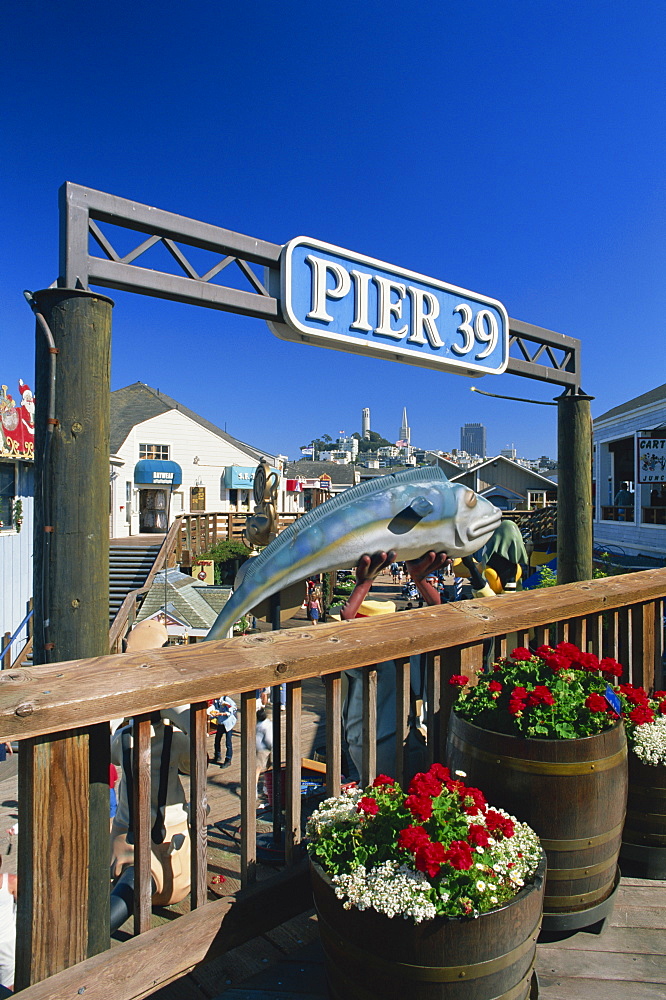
(155, 480)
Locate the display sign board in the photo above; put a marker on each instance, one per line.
(343, 300)
(651, 460)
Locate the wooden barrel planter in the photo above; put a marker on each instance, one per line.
(368, 954)
(644, 837)
(572, 792)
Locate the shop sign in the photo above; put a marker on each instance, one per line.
(203, 571)
(344, 300)
(651, 460)
(239, 477)
(17, 423)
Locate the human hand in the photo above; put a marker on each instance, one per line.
(370, 566)
(427, 565)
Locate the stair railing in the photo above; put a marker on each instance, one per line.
(129, 609)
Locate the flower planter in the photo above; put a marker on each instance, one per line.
(368, 954)
(644, 836)
(572, 792)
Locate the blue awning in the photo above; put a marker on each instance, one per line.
(153, 472)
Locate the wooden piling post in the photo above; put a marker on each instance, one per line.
(63, 865)
(574, 488)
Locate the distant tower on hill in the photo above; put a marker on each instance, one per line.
(473, 439)
(405, 431)
(365, 422)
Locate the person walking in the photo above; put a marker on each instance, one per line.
(313, 608)
(8, 887)
(224, 713)
(263, 742)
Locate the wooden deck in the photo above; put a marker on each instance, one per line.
(622, 960)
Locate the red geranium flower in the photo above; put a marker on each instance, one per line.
(521, 653)
(544, 651)
(497, 823)
(516, 706)
(494, 686)
(541, 695)
(478, 836)
(568, 650)
(520, 693)
(368, 805)
(382, 779)
(634, 695)
(411, 837)
(425, 783)
(641, 714)
(556, 662)
(419, 806)
(596, 703)
(458, 680)
(459, 855)
(587, 661)
(473, 796)
(662, 707)
(429, 857)
(610, 666)
(440, 772)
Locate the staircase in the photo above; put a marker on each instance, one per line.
(129, 566)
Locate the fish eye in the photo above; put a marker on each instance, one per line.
(470, 498)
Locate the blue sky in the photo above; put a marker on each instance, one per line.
(513, 148)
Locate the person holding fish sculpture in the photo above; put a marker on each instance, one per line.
(359, 606)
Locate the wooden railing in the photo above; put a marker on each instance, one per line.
(199, 532)
(617, 616)
(128, 610)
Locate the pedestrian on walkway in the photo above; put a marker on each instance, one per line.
(224, 713)
(263, 742)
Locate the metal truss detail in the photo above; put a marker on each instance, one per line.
(532, 343)
(84, 212)
(537, 353)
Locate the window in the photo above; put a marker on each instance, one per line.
(7, 495)
(155, 451)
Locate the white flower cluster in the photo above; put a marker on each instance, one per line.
(515, 858)
(339, 811)
(650, 741)
(393, 889)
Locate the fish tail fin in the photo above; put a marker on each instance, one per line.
(230, 613)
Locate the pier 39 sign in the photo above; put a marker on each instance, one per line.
(339, 299)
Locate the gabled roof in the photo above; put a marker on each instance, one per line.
(657, 395)
(139, 402)
(187, 600)
(341, 475)
(548, 483)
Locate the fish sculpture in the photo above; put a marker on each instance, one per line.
(411, 512)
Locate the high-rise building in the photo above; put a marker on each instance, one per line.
(473, 439)
(405, 431)
(365, 422)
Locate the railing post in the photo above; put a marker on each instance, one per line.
(574, 488)
(63, 863)
(7, 658)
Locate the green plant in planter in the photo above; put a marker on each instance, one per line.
(227, 554)
(554, 693)
(437, 849)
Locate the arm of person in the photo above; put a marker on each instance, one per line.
(12, 885)
(368, 568)
(425, 566)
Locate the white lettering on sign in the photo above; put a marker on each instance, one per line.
(162, 477)
(344, 300)
(320, 270)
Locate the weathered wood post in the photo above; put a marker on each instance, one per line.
(63, 914)
(574, 488)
